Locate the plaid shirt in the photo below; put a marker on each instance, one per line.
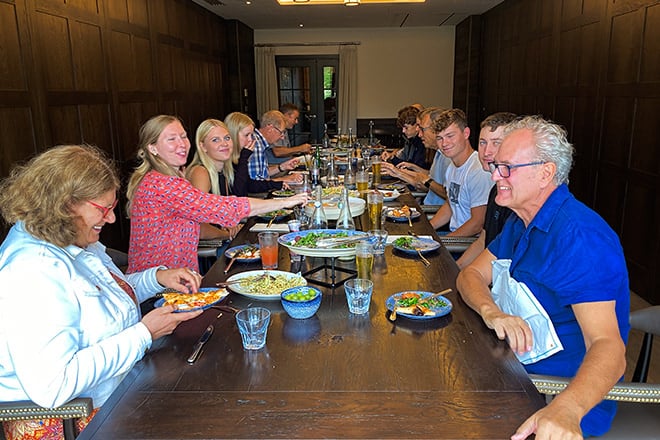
(258, 163)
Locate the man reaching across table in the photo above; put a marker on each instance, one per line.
(281, 150)
(572, 263)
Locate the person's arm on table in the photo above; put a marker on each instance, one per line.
(474, 224)
(603, 365)
(473, 284)
(262, 206)
(441, 217)
(279, 151)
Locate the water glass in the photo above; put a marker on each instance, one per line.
(364, 259)
(253, 326)
(358, 295)
(268, 248)
(379, 240)
(294, 226)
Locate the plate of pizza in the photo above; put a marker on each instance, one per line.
(188, 302)
(412, 304)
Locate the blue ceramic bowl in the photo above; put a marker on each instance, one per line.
(301, 309)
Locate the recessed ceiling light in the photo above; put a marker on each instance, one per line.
(301, 25)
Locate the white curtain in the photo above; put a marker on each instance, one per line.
(347, 102)
(266, 76)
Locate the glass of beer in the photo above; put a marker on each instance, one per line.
(364, 259)
(375, 207)
(362, 183)
(375, 169)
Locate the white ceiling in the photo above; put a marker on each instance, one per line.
(268, 14)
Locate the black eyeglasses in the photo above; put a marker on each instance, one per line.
(505, 169)
(281, 132)
(104, 209)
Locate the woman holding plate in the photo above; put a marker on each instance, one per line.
(71, 324)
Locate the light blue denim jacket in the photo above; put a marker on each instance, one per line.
(66, 327)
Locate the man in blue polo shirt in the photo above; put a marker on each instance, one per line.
(573, 264)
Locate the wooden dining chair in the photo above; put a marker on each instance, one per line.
(69, 412)
(638, 413)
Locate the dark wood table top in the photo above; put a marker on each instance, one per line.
(335, 375)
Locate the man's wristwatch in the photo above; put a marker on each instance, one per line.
(279, 167)
(428, 182)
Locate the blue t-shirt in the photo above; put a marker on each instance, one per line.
(568, 255)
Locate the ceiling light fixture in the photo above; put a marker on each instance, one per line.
(341, 2)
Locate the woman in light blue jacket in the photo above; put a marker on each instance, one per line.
(70, 322)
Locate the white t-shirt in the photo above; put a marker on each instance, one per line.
(437, 173)
(467, 187)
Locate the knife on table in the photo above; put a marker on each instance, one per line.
(198, 346)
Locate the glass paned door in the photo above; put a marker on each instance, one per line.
(311, 84)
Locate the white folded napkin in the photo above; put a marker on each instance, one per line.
(515, 298)
(276, 227)
(391, 238)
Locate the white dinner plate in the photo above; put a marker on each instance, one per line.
(292, 280)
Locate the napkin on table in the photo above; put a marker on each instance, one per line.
(275, 227)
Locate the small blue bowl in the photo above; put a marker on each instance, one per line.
(301, 309)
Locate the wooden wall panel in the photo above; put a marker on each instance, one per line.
(54, 49)
(597, 67)
(88, 56)
(17, 138)
(12, 73)
(94, 71)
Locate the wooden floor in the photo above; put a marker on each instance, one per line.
(635, 342)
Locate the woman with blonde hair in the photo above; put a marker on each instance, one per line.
(73, 328)
(212, 170)
(241, 130)
(166, 210)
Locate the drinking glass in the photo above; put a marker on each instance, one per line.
(364, 259)
(362, 183)
(375, 170)
(380, 236)
(253, 326)
(268, 248)
(375, 207)
(358, 295)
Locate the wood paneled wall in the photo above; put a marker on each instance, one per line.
(93, 71)
(594, 67)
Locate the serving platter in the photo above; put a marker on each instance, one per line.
(292, 242)
(331, 208)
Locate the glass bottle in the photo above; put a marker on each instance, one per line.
(333, 179)
(319, 220)
(349, 176)
(345, 219)
(326, 138)
(372, 141)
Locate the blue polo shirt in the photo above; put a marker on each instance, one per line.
(568, 255)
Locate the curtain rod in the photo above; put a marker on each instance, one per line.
(338, 43)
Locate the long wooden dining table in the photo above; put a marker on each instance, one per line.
(335, 375)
